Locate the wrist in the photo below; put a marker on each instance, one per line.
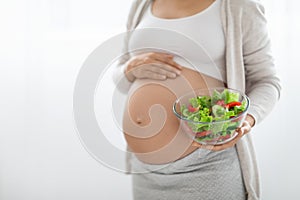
(128, 72)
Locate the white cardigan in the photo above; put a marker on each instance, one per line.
(249, 65)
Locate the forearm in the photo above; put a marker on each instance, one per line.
(263, 98)
(121, 81)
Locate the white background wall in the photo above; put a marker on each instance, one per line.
(42, 46)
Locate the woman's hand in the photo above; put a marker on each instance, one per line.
(244, 129)
(158, 66)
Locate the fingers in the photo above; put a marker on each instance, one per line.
(153, 75)
(165, 58)
(159, 70)
(151, 72)
(228, 144)
(202, 146)
(167, 67)
(153, 65)
(219, 147)
(244, 129)
(163, 69)
(169, 61)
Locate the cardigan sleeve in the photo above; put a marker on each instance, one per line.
(262, 82)
(119, 78)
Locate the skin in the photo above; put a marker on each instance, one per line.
(163, 92)
(170, 9)
(161, 67)
(244, 129)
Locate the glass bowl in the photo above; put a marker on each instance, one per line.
(211, 116)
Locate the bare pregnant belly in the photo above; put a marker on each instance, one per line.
(151, 129)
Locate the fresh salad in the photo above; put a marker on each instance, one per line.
(219, 106)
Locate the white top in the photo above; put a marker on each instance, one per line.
(199, 39)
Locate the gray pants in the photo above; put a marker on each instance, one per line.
(202, 175)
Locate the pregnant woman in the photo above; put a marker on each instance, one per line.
(234, 35)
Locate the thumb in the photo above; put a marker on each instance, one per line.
(196, 144)
(245, 128)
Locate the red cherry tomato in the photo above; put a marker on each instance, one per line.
(192, 109)
(203, 133)
(232, 104)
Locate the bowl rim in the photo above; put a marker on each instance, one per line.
(211, 89)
